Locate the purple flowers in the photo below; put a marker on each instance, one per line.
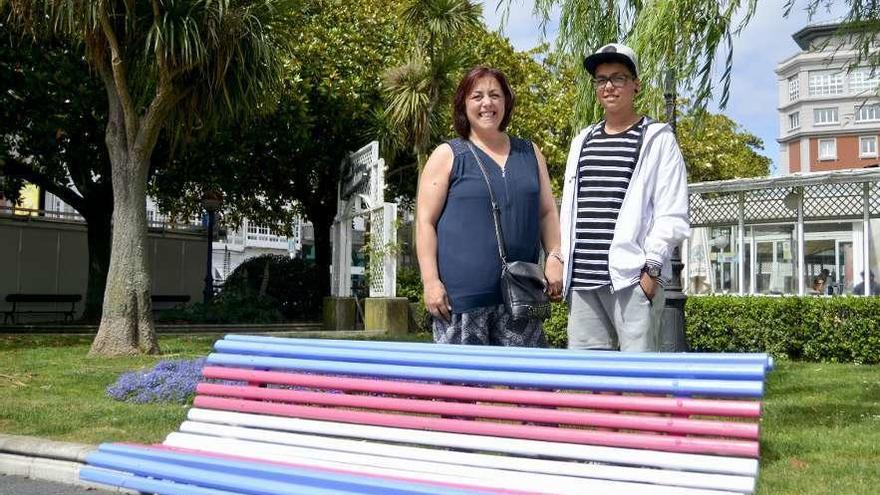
(167, 381)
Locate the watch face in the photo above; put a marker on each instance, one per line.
(653, 271)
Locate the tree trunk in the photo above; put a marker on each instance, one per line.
(323, 251)
(98, 224)
(127, 323)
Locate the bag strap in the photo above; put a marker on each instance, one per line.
(496, 211)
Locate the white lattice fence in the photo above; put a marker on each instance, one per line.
(361, 194)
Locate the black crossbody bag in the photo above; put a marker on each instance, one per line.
(523, 285)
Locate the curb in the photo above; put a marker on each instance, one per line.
(47, 460)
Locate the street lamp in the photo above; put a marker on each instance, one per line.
(672, 337)
(211, 201)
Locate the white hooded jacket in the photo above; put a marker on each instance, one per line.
(653, 217)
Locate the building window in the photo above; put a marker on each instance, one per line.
(794, 121)
(828, 149)
(825, 83)
(868, 113)
(868, 147)
(864, 79)
(794, 88)
(825, 116)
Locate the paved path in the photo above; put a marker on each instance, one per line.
(16, 485)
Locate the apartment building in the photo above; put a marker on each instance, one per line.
(829, 109)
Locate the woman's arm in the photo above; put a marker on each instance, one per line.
(549, 219)
(433, 187)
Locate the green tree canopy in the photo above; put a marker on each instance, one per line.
(182, 64)
(717, 148)
(286, 162)
(52, 118)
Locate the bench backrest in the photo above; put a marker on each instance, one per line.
(43, 298)
(478, 419)
(169, 298)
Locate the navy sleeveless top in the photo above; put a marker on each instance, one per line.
(467, 249)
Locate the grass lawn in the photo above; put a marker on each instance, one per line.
(820, 433)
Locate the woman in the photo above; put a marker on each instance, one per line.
(455, 234)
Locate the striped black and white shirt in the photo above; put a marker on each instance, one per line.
(605, 168)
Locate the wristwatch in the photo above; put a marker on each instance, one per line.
(653, 271)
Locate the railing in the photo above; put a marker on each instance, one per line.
(74, 217)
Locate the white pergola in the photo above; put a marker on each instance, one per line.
(798, 200)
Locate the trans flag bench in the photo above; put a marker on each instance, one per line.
(299, 416)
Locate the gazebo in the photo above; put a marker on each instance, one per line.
(775, 235)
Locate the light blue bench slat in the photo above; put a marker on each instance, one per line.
(536, 364)
(251, 477)
(691, 357)
(672, 386)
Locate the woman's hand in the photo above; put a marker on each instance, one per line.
(553, 274)
(437, 302)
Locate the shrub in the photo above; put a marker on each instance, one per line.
(832, 329)
(409, 284)
(555, 326)
(287, 283)
(167, 381)
(228, 308)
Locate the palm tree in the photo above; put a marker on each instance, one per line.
(425, 80)
(164, 64)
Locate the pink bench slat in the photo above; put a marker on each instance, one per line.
(529, 414)
(667, 405)
(668, 443)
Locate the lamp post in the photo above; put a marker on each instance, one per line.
(211, 201)
(672, 337)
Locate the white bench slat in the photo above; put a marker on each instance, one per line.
(612, 455)
(389, 453)
(426, 470)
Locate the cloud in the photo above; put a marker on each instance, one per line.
(523, 26)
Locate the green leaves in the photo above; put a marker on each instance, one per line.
(837, 329)
(441, 19)
(682, 36)
(717, 148)
(421, 85)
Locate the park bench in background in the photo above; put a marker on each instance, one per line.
(283, 416)
(40, 304)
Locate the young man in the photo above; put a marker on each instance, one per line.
(624, 209)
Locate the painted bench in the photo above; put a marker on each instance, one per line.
(299, 416)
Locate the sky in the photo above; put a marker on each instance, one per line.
(764, 43)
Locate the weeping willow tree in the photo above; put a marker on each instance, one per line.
(687, 42)
(163, 63)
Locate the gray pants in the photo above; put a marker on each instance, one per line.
(624, 319)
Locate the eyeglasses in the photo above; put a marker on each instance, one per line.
(617, 81)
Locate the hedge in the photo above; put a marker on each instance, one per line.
(830, 329)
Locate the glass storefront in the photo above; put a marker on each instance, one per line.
(811, 234)
(775, 255)
(834, 254)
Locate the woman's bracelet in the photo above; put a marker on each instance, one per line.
(555, 254)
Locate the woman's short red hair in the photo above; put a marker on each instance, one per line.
(459, 111)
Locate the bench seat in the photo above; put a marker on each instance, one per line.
(304, 416)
